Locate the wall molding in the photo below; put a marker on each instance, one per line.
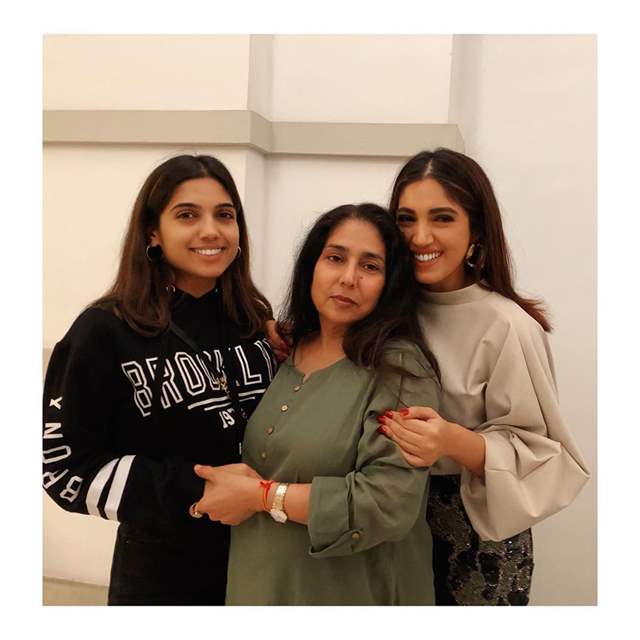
(246, 129)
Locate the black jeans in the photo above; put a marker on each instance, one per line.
(169, 569)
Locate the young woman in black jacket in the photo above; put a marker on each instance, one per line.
(119, 441)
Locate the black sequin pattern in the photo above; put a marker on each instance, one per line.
(467, 570)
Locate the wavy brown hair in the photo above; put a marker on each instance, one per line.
(140, 294)
(394, 315)
(466, 183)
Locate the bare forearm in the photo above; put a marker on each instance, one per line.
(467, 448)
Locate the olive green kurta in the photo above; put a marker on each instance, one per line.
(367, 541)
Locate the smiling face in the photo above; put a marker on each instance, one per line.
(438, 233)
(199, 235)
(349, 275)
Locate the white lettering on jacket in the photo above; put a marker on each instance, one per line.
(188, 376)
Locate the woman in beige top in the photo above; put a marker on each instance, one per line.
(501, 456)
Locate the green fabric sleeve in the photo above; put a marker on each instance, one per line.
(382, 497)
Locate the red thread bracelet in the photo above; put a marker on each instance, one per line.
(266, 485)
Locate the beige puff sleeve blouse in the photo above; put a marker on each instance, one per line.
(498, 380)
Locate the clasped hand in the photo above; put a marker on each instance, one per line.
(231, 492)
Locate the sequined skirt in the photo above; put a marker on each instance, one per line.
(467, 570)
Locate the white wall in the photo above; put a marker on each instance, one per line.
(361, 78)
(260, 80)
(526, 109)
(254, 202)
(145, 72)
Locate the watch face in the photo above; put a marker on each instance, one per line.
(278, 516)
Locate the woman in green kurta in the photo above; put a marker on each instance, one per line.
(344, 520)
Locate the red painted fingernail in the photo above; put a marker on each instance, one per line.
(380, 429)
(380, 419)
(404, 412)
(388, 414)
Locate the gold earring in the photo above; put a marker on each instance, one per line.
(473, 247)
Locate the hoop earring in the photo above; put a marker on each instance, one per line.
(479, 264)
(153, 252)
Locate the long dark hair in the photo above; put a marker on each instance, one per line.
(140, 293)
(395, 314)
(467, 184)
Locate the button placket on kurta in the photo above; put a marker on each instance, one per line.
(276, 425)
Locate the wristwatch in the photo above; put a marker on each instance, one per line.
(277, 507)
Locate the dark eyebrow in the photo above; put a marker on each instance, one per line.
(193, 205)
(367, 254)
(443, 210)
(434, 210)
(185, 204)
